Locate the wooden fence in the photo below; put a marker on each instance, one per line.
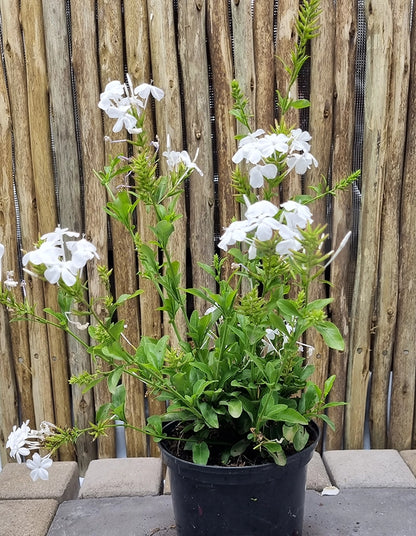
(57, 55)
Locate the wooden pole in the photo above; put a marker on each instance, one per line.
(138, 66)
(342, 270)
(219, 47)
(320, 127)
(34, 185)
(402, 430)
(194, 68)
(389, 261)
(8, 392)
(375, 162)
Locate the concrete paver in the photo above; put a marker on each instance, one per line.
(127, 516)
(26, 517)
(409, 456)
(317, 478)
(63, 483)
(122, 477)
(361, 512)
(368, 469)
(120, 496)
(354, 512)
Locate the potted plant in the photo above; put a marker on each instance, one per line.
(238, 429)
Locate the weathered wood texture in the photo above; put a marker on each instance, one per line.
(364, 321)
(57, 58)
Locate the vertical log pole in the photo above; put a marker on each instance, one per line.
(219, 46)
(387, 292)
(138, 66)
(194, 68)
(402, 430)
(375, 162)
(36, 195)
(8, 392)
(165, 73)
(86, 74)
(320, 127)
(342, 270)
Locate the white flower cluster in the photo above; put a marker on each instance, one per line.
(261, 222)
(125, 103)
(52, 254)
(175, 158)
(256, 147)
(22, 440)
(9, 282)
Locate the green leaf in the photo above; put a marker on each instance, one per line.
(238, 448)
(200, 453)
(200, 386)
(331, 335)
(310, 398)
(288, 415)
(288, 308)
(328, 421)
(59, 316)
(181, 383)
(154, 427)
(276, 452)
(328, 385)
(118, 401)
(102, 412)
(124, 297)
(113, 379)
(163, 230)
(318, 304)
(209, 415)
(301, 438)
(235, 407)
(300, 103)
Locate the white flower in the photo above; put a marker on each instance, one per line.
(82, 251)
(144, 90)
(251, 137)
(291, 240)
(16, 441)
(296, 214)
(51, 253)
(124, 118)
(120, 101)
(57, 236)
(301, 162)
(299, 140)
(260, 216)
(272, 143)
(211, 309)
(113, 93)
(235, 232)
(39, 467)
(250, 152)
(10, 282)
(61, 269)
(47, 253)
(175, 158)
(270, 336)
(258, 172)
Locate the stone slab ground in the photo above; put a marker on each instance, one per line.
(377, 497)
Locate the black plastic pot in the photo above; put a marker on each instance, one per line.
(266, 500)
